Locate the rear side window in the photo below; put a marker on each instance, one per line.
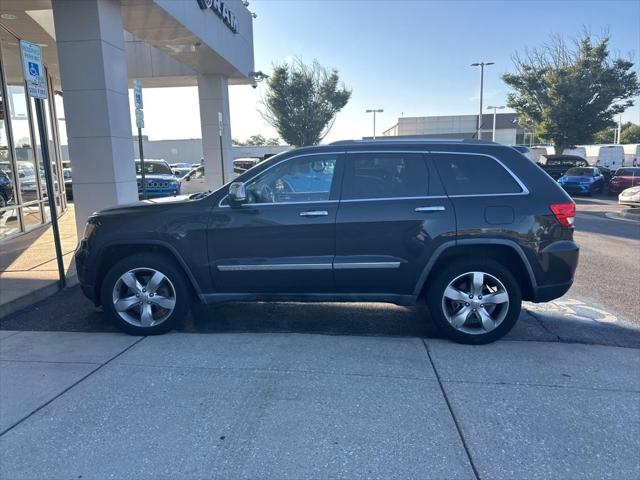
(470, 174)
(385, 175)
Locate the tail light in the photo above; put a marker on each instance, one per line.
(565, 213)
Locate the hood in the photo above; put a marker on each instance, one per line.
(631, 191)
(150, 203)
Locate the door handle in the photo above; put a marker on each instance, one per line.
(314, 213)
(438, 208)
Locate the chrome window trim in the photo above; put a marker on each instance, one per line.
(340, 152)
(386, 199)
(525, 190)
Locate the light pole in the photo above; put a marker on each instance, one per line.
(481, 65)
(493, 137)
(379, 110)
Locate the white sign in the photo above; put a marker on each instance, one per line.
(137, 94)
(220, 123)
(33, 69)
(139, 118)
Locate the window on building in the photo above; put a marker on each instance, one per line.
(385, 175)
(474, 175)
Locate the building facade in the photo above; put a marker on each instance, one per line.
(460, 126)
(92, 51)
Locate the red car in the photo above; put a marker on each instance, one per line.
(624, 178)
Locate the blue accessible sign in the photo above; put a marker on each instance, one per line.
(33, 69)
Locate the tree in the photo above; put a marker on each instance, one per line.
(256, 140)
(629, 133)
(302, 102)
(568, 94)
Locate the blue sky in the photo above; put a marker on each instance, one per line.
(412, 57)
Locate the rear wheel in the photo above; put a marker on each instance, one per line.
(145, 294)
(475, 302)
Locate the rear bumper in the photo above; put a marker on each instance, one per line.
(557, 263)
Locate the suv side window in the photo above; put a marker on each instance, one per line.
(385, 175)
(302, 179)
(470, 174)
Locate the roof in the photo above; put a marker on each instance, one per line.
(413, 141)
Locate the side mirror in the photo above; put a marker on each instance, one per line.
(237, 193)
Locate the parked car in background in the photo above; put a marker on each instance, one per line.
(610, 157)
(588, 180)
(624, 178)
(630, 196)
(160, 180)
(6, 189)
(193, 182)
(523, 149)
(241, 165)
(180, 169)
(468, 226)
(68, 182)
(557, 165)
(576, 152)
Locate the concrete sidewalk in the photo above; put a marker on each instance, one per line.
(286, 405)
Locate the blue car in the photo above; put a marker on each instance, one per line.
(587, 180)
(160, 180)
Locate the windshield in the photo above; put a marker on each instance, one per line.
(628, 172)
(580, 172)
(154, 168)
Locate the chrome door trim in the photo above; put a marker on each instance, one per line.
(361, 265)
(314, 213)
(437, 208)
(274, 266)
(386, 199)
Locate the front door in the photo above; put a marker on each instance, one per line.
(393, 215)
(282, 240)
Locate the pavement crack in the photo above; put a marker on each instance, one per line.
(99, 367)
(451, 412)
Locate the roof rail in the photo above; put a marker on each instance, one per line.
(399, 139)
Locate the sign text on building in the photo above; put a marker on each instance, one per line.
(221, 9)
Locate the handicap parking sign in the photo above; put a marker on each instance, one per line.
(34, 69)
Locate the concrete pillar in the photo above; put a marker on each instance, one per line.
(213, 93)
(93, 71)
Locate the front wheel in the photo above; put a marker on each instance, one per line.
(145, 294)
(474, 302)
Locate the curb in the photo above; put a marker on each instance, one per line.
(35, 296)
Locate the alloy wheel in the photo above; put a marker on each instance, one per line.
(144, 297)
(475, 303)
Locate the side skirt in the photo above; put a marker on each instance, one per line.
(404, 300)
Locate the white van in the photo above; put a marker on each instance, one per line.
(631, 154)
(607, 156)
(193, 182)
(537, 152)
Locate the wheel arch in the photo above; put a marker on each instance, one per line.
(116, 251)
(505, 251)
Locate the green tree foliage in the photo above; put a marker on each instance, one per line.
(256, 141)
(630, 133)
(568, 94)
(302, 102)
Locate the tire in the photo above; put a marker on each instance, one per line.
(168, 298)
(460, 276)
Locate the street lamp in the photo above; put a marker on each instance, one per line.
(481, 65)
(493, 138)
(379, 110)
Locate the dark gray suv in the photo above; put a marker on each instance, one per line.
(470, 227)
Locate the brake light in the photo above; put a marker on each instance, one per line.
(565, 213)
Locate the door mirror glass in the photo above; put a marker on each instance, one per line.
(237, 193)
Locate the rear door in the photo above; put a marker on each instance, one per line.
(393, 214)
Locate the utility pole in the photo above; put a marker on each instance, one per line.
(493, 137)
(374, 111)
(481, 65)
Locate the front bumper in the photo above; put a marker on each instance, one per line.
(577, 188)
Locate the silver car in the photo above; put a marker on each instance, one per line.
(630, 196)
